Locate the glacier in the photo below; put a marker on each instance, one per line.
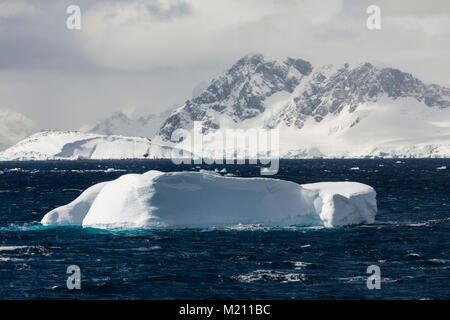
(207, 199)
(75, 145)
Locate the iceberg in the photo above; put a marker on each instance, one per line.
(74, 212)
(206, 199)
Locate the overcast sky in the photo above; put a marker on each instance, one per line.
(143, 56)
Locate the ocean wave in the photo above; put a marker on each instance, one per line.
(364, 279)
(413, 255)
(440, 261)
(426, 223)
(34, 226)
(37, 226)
(270, 275)
(56, 170)
(108, 170)
(260, 227)
(301, 264)
(9, 259)
(25, 250)
(11, 248)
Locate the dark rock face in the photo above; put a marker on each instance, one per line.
(241, 92)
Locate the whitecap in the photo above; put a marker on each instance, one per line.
(12, 248)
(353, 279)
(270, 275)
(301, 264)
(6, 259)
(27, 250)
(114, 170)
(151, 248)
(439, 260)
(413, 254)
(240, 227)
(364, 279)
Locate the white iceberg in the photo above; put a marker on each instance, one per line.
(74, 212)
(200, 199)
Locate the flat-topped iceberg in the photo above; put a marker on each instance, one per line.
(201, 199)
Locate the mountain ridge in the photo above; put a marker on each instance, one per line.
(14, 127)
(327, 90)
(327, 111)
(75, 145)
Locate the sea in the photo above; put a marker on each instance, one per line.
(408, 245)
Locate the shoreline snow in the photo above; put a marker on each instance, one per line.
(73, 145)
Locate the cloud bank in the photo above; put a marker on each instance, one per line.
(148, 55)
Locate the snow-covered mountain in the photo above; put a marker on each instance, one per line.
(72, 145)
(14, 127)
(326, 111)
(121, 124)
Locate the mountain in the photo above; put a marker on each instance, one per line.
(239, 94)
(350, 111)
(326, 111)
(120, 124)
(14, 127)
(72, 145)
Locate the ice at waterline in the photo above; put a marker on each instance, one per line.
(205, 199)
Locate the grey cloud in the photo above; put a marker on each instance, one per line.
(175, 10)
(415, 8)
(45, 74)
(40, 40)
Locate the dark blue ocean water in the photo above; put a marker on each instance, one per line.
(410, 241)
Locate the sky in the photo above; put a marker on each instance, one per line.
(144, 56)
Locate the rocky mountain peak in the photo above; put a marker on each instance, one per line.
(241, 92)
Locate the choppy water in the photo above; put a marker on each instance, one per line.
(410, 241)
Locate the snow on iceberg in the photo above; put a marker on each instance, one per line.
(74, 212)
(200, 199)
